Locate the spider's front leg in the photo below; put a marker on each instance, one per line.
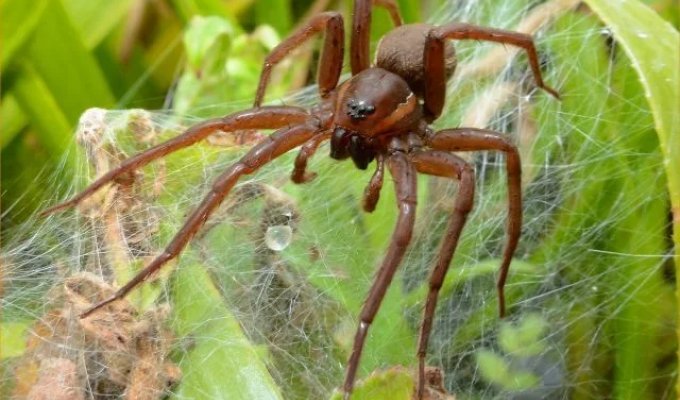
(268, 149)
(372, 191)
(471, 139)
(262, 118)
(435, 63)
(404, 175)
(300, 174)
(446, 165)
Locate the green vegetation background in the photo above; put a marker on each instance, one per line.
(61, 57)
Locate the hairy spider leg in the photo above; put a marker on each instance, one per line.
(330, 64)
(435, 63)
(404, 175)
(471, 139)
(300, 174)
(448, 165)
(261, 118)
(360, 57)
(268, 149)
(372, 191)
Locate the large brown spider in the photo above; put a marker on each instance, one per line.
(381, 113)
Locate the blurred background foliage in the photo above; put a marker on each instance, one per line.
(201, 58)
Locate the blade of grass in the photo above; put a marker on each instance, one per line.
(276, 14)
(19, 19)
(46, 146)
(12, 120)
(188, 9)
(641, 230)
(222, 363)
(40, 106)
(395, 384)
(94, 19)
(652, 45)
(13, 339)
(66, 66)
(584, 85)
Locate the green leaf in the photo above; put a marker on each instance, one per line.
(522, 381)
(207, 37)
(652, 45)
(525, 338)
(221, 363)
(19, 19)
(495, 369)
(94, 19)
(12, 337)
(188, 9)
(275, 13)
(67, 67)
(12, 120)
(492, 366)
(44, 112)
(394, 384)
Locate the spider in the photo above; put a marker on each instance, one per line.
(382, 113)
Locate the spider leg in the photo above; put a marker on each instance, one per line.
(361, 30)
(447, 165)
(404, 175)
(434, 58)
(262, 118)
(330, 64)
(300, 174)
(372, 191)
(268, 149)
(471, 139)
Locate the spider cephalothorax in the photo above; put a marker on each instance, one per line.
(371, 106)
(381, 113)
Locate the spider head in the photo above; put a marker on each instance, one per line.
(373, 103)
(376, 102)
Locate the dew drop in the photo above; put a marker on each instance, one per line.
(278, 237)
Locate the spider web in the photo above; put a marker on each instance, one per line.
(264, 302)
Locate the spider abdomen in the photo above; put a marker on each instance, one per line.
(401, 52)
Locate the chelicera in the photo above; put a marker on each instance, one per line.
(381, 113)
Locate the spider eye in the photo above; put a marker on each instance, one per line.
(359, 109)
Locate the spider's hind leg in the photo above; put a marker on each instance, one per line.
(435, 59)
(447, 165)
(361, 30)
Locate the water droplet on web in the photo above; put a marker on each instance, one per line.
(278, 237)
